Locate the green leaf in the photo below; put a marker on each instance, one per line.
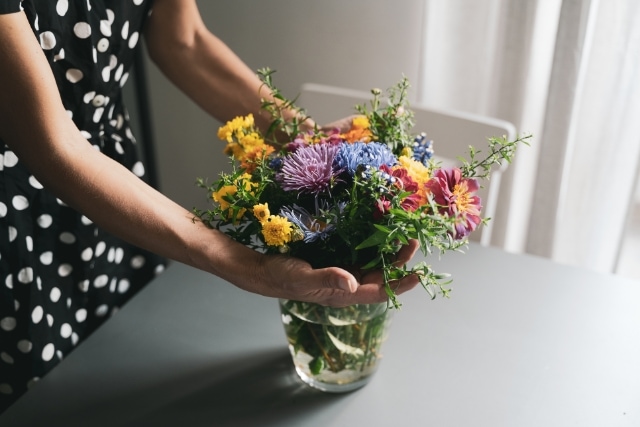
(316, 365)
(377, 238)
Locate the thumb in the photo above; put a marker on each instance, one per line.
(335, 278)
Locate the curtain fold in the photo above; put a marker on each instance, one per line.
(567, 72)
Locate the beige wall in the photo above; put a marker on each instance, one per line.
(350, 43)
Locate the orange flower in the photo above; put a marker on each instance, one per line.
(359, 131)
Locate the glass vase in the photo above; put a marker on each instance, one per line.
(335, 349)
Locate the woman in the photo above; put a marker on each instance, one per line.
(80, 232)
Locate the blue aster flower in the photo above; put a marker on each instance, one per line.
(312, 228)
(373, 154)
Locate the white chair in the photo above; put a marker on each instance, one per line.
(452, 133)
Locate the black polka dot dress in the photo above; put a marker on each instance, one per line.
(61, 276)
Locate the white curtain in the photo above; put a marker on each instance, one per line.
(567, 71)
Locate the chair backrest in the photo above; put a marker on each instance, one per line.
(452, 133)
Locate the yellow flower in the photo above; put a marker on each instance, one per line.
(227, 190)
(245, 180)
(220, 196)
(235, 127)
(261, 211)
(361, 122)
(276, 230)
(419, 173)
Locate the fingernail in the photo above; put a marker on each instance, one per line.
(345, 284)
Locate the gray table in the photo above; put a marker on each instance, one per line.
(521, 342)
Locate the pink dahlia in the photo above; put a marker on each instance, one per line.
(455, 195)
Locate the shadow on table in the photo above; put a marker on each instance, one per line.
(258, 389)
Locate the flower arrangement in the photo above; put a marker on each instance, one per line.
(351, 198)
(348, 199)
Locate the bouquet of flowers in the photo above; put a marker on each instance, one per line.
(349, 199)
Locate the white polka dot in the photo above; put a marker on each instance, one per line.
(137, 261)
(59, 56)
(10, 159)
(94, 53)
(65, 330)
(74, 338)
(13, 233)
(138, 169)
(124, 79)
(6, 358)
(102, 310)
(74, 75)
(24, 346)
(49, 320)
(103, 45)
(123, 286)
(119, 255)
(64, 270)
(81, 315)
(55, 294)
(3, 210)
(82, 30)
(59, 354)
(125, 30)
(97, 115)
(25, 275)
(101, 281)
(105, 29)
(111, 255)
(67, 237)
(46, 257)
(133, 40)
(85, 220)
(62, 6)
(48, 351)
(137, 2)
(83, 286)
(8, 324)
(45, 220)
(5, 389)
(37, 314)
(118, 74)
(113, 284)
(100, 247)
(9, 282)
(113, 61)
(35, 183)
(106, 74)
(88, 97)
(20, 203)
(86, 254)
(29, 243)
(47, 40)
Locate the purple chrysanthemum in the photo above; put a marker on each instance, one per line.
(309, 169)
(373, 154)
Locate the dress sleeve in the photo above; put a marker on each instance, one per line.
(10, 6)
